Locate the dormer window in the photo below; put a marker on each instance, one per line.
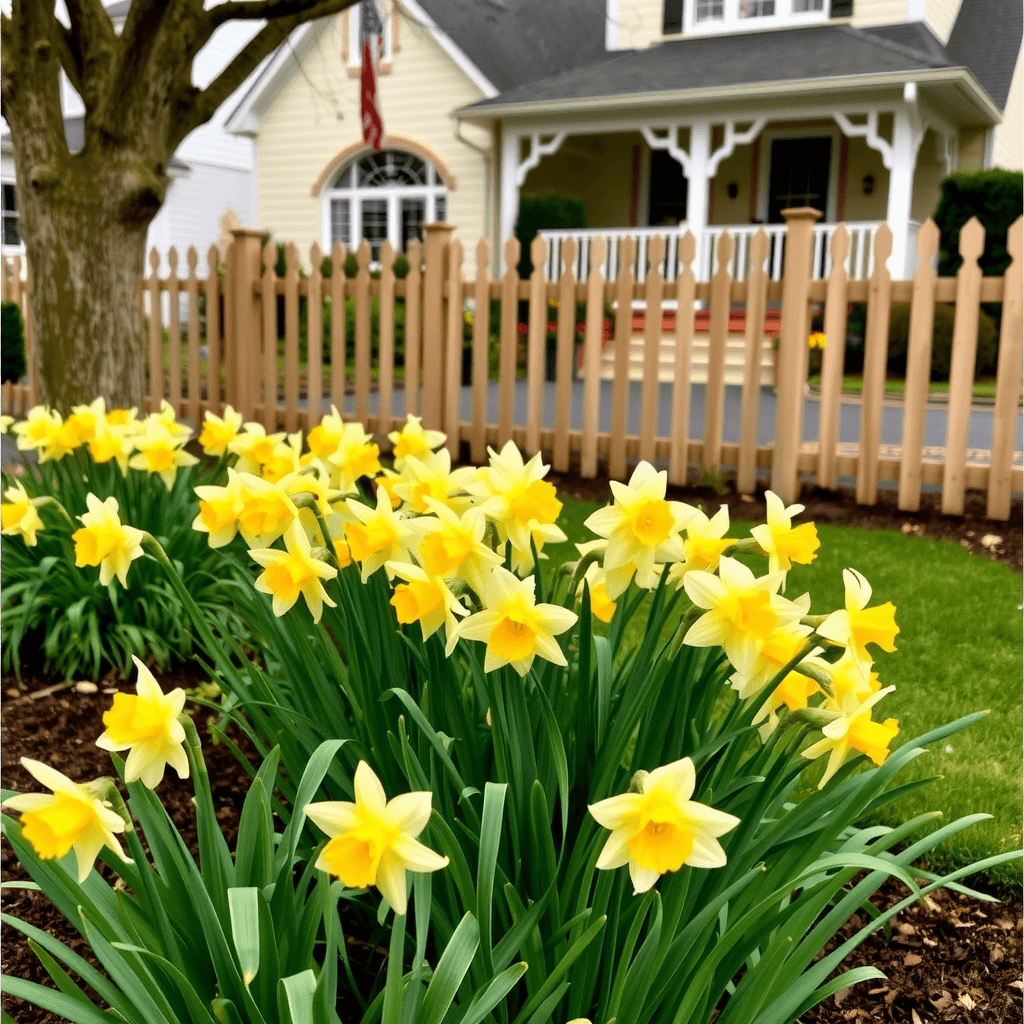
(757, 8)
(694, 17)
(709, 10)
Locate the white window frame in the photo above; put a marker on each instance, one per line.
(19, 249)
(355, 56)
(770, 135)
(433, 190)
(784, 17)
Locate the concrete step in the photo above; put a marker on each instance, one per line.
(735, 360)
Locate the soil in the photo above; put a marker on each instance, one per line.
(953, 960)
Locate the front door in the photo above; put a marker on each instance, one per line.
(799, 176)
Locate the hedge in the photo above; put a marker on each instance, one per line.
(12, 352)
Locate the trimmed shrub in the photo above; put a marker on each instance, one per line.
(942, 342)
(996, 198)
(540, 213)
(12, 352)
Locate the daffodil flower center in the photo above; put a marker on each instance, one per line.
(513, 639)
(215, 435)
(417, 599)
(104, 448)
(287, 578)
(536, 501)
(652, 523)
(159, 458)
(751, 614)
(441, 554)
(875, 625)
(264, 514)
(663, 840)
(369, 538)
(217, 514)
(52, 830)
(13, 513)
(131, 719)
(93, 544)
(355, 856)
(362, 460)
(872, 738)
(321, 441)
(409, 446)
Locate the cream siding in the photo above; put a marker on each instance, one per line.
(639, 23)
(878, 12)
(940, 16)
(1008, 149)
(971, 151)
(315, 115)
(928, 177)
(740, 169)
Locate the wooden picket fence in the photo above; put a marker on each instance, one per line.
(233, 319)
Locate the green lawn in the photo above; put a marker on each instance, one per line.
(959, 651)
(898, 386)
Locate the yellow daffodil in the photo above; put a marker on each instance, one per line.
(853, 732)
(73, 816)
(780, 647)
(253, 446)
(158, 450)
(857, 625)
(641, 527)
(782, 542)
(61, 441)
(219, 509)
(219, 431)
(515, 628)
(431, 476)
(19, 516)
(424, 599)
(34, 431)
(285, 459)
(105, 542)
(453, 547)
(6, 422)
(267, 511)
(315, 482)
(374, 840)
(414, 441)
(742, 611)
(292, 572)
(379, 535)
(122, 417)
(387, 478)
(355, 456)
(657, 828)
(849, 675)
(147, 726)
(167, 418)
(324, 438)
(112, 441)
(601, 605)
(704, 545)
(89, 418)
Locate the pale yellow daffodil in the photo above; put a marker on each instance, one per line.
(413, 441)
(704, 545)
(784, 543)
(34, 431)
(324, 438)
(355, 456)
(158, 450)
(19, 516)
(219, 431)
(253, 447)
(267, 511)
(431, 476)
(292, 572)
(378, 535)
(452, 546)
(104, 541)
(424, 599)
(857, 625)
(219, 509)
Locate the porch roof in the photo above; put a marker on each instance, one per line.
(807, 59)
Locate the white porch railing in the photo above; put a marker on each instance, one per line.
(860, 261)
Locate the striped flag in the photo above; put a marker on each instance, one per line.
(371, 31)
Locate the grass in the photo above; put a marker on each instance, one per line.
(959, 651)
(898, 386)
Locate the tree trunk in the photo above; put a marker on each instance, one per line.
(87, 260)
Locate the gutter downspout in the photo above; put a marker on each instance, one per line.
(487, 152)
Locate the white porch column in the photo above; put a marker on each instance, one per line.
(509, 208)
(697, 189)
(906, 140)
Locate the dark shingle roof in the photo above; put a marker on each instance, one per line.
(518, 41)
(986, 37)
(819, 51)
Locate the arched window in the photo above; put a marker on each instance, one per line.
(384, 196)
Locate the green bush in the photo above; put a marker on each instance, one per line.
(942, 342)
(540, 213)
(996, 198)
(12, 353)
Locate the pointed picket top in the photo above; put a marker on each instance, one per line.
(972, 241)
(414, 254)
(627, 254)
(598, 253)
(192, 259)
(172, 261)
(316, 257)
(291, 259)
(387, 256)
(1014, 238)
(568, 254)
(338, 257)
(724, 251)
(655, 254)
(154, 260)
(928, 236)
(839, 247)
(483, 256)
(363, 256)
(456, 254)
(760, 246)
(270, 258)
(687, 250)
(511, 255)
(212, 259)
(538, 255)
(883, 247)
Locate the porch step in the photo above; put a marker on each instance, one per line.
(735, 360)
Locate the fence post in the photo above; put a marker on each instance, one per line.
(789, 413)
(439, 238)
(246, 324)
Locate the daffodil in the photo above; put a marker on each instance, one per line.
(601, 605)
(89, 418)
(34, 431)
(779, 648)
(857, 625)
(657, 828)
(783, 542)
(147, 725)
(431, 476)
(355, 456)
(388, 478)
(219, 509)
(73, 816)
(267, 511)
(219, 431)
(452, 546)
(168, 419)
(515, 628)
(158, 450)
(853, 731)
(110, 442)
(284, 460)
(62, 440)
(374, 840)
(292, 572)
(849, 675)
(641, 527)
(379, 535)
(414, 441)
(743, 611)
(104, 541)
(253, 446)
(704, 545)
(19, 516)
(6, 422)
(122, 417)
(324, 438)
(424, 599)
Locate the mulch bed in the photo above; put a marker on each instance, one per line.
(955, 960)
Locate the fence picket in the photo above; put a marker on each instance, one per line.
(213, 328)
(832, 361)
(363, 332)
(655, 287)
(453, 350)
(269, 309)
(593, 344)
(757, 293)
(961, 370)
(386, 340)
(156, 348)
(481, 344)
(623, 341)
(192, 288)
(173, 332)
(565, 340)
(1008, 381)
(535, 344)
(31, 361)
(919, 366)
(509, 351)
(315, 339)
(338, 318)
(718, 339)
(876, 345)
(291, 337)
(679, 443)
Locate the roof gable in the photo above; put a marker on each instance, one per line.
(986, 37)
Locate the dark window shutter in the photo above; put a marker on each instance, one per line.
(672, 20)
(841, 9)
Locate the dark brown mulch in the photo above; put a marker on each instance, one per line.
(974, 531)
(956, 960)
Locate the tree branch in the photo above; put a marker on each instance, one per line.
(93, 40)
(69, 55)
(253, 10)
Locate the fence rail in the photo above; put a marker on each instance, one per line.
(488, 360)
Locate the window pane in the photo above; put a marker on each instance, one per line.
(414, 212)
(672, 17)
(340, 222)
(757, 8)
(808, 5)
(12, 236)
(375, 224)
(391, 167)
(10, 199)
(343, 180)
(441, 208)
(709, 10)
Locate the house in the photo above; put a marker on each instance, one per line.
(660, 115)
(212, 171)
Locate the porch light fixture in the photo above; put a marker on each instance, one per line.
(868, 184)
(733, 189)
